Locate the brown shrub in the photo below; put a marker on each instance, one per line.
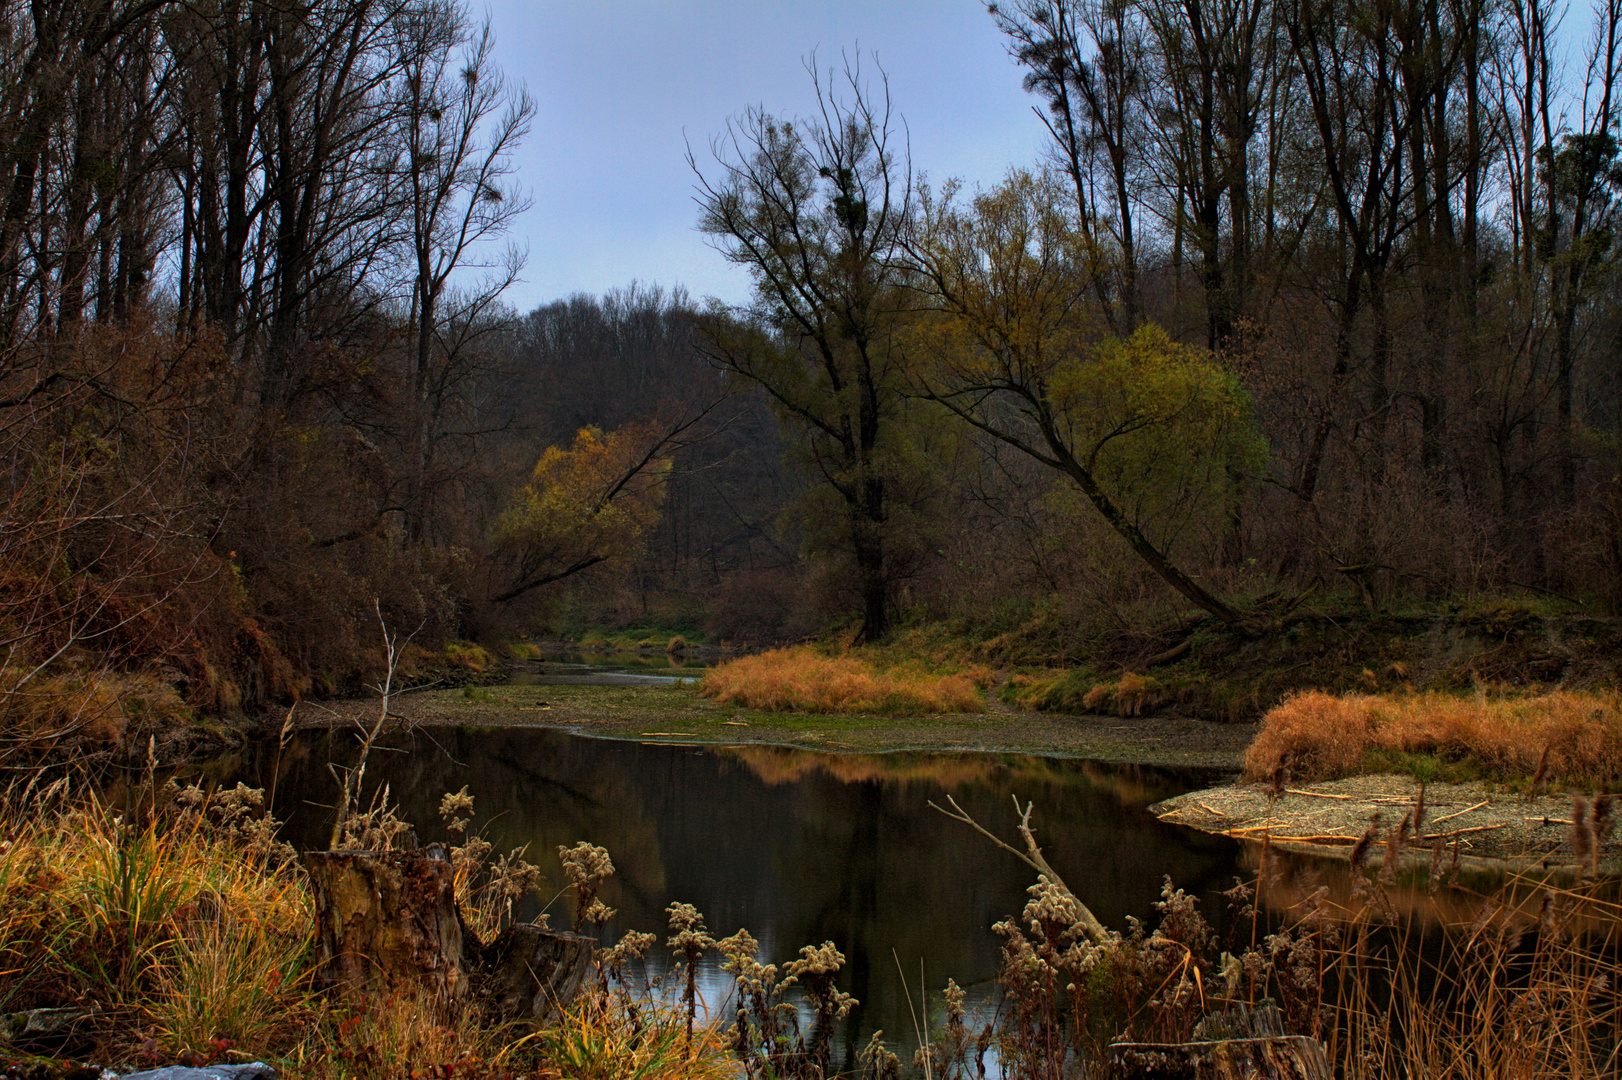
(1323, 734)
(803, 680)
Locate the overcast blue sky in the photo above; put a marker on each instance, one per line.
(622, 86)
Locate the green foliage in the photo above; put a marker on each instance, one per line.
(583, 506)
(1166, 430)
(1427, 768)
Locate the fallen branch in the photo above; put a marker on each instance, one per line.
(1462, 832)
(1460, 813)
(1032, 856)
(1325, 838)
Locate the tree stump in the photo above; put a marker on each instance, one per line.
(531, 973)
(386, 922)
(1282, 1057)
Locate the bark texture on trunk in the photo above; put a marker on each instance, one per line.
(387, 921)
(530, 973)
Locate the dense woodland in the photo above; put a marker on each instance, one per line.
(1306, 295)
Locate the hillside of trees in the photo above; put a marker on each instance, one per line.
(1307, 297)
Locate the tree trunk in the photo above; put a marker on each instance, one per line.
(529, 973)
(1287, 1057)
(387, 921)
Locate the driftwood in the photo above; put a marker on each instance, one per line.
(1286, 1057)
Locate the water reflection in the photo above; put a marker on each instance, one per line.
(564, 667)
(796, 846)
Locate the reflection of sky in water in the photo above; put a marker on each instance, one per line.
(663, 977)
(797, 847)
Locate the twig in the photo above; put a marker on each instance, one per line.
(1317, 794)
(1460, 813)
(916, 1029)
(1322, 838)
(356, 776)
(1462, 832)
(1032, 856)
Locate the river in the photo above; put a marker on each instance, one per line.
(798, 847)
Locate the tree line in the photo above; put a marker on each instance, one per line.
(1305, 294)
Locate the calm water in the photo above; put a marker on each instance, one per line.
(572, 667)
(798, 847)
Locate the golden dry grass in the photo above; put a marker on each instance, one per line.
(1322, 735)
(801, 679)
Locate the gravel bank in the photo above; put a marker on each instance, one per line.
(1478, 822)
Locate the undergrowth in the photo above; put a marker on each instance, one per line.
(181, 925)
(1571, 736)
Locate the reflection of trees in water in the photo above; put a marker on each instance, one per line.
(797, 847)
(1133, 785)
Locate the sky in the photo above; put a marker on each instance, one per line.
(623, 87)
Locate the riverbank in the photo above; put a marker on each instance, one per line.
(680, 715)
(1467, 824)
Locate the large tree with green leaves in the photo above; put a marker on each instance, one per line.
(1151, 432)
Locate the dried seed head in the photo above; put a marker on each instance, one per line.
(1360, 852)
(1582, 829)
(1542, 774)
(1280, 777)
(1604, 822)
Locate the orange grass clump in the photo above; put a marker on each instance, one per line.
(803, 680)
(1320, 735)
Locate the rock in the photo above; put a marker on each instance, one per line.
(43, 1025)
(257, 1070)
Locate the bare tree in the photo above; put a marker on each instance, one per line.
(458, 123)
(816, 211)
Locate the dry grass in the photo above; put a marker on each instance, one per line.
(43, 712)
(802, 679)
(187, 927)
(185, 921)
(1524, 991)
(1570, 736)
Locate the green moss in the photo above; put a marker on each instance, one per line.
(1424, 768)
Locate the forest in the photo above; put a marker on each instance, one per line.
(1305, 299)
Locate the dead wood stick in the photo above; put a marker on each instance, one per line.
(1032, 856)
(1462, 832)
(1322, 838)
(1460, 813)
(1317, 794)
